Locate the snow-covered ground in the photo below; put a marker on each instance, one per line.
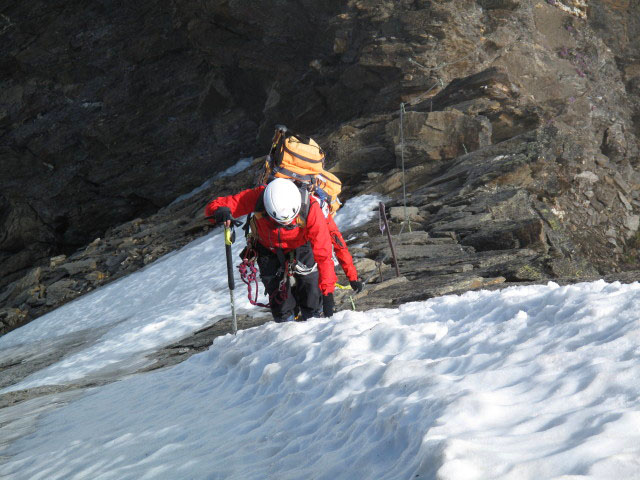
(533, 382)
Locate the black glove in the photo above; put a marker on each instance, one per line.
(222, 214)
(327, 305)
(356, 286)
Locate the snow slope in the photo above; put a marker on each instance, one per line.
(167, 300)
(534, 382)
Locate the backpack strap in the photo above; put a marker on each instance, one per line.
(302, 157)
(258, 211)
(305, 203)
(297, 176)
(260, 204)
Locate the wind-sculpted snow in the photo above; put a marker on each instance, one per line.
(164, 302)
(524, 383)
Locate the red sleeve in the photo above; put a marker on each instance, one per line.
(318, 234)
(240, 204)
(341, 250)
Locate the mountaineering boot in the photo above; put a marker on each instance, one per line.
(290, 318)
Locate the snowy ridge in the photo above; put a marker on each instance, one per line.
(525, 383)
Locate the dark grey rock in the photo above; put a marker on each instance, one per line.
(80, 266)
(60, 291)
(434, 136)
(501, 235)
(524, 132)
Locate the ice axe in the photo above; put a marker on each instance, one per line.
(229, 238)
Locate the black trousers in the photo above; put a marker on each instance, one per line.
(305, 297)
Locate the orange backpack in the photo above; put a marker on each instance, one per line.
(293, 156)
(299, 158)
(327, 188)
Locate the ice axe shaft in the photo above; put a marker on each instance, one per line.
(383, 218)
(228, 240)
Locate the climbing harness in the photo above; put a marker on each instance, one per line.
(249, 275)
(300, 269)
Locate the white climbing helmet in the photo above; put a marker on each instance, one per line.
(282, 200)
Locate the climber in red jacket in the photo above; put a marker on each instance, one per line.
(292, 237)
(340, 248)
(343, 255)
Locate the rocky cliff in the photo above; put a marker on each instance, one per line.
(518, 133)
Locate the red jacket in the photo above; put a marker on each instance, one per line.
(342, 252)
(273, 236)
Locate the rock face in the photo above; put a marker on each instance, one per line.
(431, 136)
(518, 132)
(109, 110)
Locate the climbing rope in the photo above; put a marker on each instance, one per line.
(249, 275)
(406, 221)
(404, 182)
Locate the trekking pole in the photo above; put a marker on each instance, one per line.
(228, 240)
(385, 226)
